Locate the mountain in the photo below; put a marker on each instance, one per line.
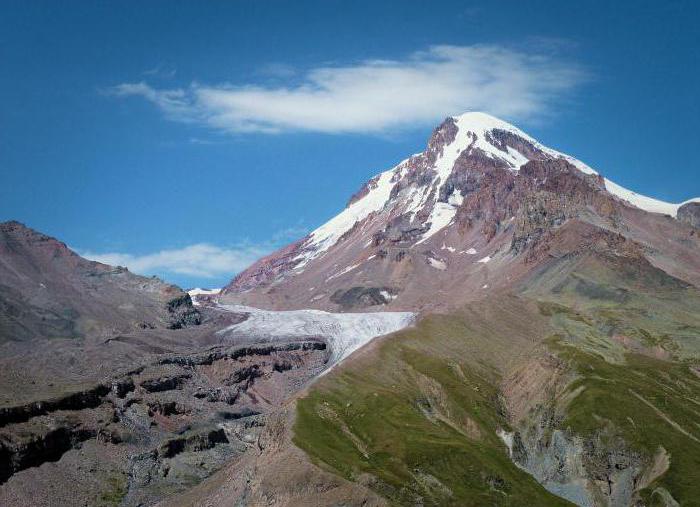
(555, 360)
(47, 290)
(547, 351)
(471, 214)
(121, 374)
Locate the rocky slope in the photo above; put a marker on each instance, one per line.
(49, 291)
(116, 390)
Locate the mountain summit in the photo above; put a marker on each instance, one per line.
(471, 213)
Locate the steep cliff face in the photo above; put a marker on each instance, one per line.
(463, 214)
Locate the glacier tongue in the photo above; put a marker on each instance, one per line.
(344, 332)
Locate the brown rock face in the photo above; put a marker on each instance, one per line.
(267, 269)
(191, 412)
(690, 214)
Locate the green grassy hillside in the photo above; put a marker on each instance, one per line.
(416, 417)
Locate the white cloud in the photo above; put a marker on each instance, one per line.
(374, 96)
(199, 260)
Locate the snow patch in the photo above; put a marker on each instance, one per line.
(473, 129)
(507, 439)
(437, 263)
(329, 233)
(387, 295)
(416, 200)
(197, 291)
(484, 260)
(643, 202)
(206, 292)
(441, 216)
(455, 199)
(342, 272)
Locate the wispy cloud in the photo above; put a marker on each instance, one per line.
(199, 140)
(375, 96)
(162, 71)
(289, 234)
(200, 260)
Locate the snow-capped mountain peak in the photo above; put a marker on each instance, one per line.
(477, 180)
(483, 125)
(471, 133)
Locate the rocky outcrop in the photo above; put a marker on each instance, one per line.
(174, 416)
(360, 297)
(192, 443)
(242, 352)
(371, 184)
(689, 214)
(504, 139)
(160, 384)
(589, 472)
(182, 313)
(399, 231)
(267, 269)
(80, 400)
(123, 386)
(30, 450)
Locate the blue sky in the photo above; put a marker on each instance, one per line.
(185, 139)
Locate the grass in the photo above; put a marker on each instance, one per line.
(423, 427)
(647, 402)
(116, 489)
(629, 395)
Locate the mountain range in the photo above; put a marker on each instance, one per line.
(489, 322)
